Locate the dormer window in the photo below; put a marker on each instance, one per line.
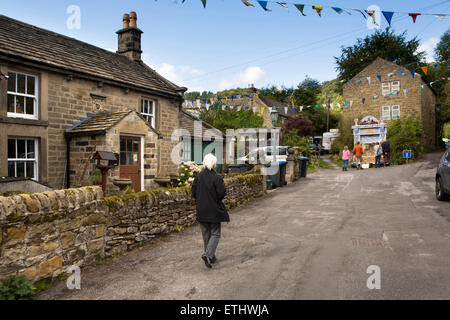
(22, 95)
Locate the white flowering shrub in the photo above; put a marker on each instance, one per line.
(187, 172)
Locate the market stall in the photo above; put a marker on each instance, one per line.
(368, 132)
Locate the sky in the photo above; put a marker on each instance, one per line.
(227, 44)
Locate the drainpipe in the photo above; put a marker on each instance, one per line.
(68, 162)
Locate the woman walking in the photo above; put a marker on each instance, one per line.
(378, 152)
(345, 158)
(209, 190)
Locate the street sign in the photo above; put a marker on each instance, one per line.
(407, 154)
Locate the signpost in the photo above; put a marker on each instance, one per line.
(407, 155)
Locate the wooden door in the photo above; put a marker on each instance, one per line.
(130, 161)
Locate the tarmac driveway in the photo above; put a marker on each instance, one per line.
(313, 239)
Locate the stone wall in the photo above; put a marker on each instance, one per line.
(42, 234)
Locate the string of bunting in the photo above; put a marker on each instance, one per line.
(339, 10)
(198, 102)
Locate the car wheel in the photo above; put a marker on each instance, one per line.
(440, 195)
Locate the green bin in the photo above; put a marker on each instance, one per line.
(269, 184)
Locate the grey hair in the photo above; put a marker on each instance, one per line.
(209, 161)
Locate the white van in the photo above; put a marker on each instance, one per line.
(264, 155)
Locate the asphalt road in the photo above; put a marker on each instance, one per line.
(313, 239)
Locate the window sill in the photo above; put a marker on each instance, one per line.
(23, 121)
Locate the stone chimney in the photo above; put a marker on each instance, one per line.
(130, 37)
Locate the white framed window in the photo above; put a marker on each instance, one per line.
(186, 150)
(386, 112)
(395, 112)
(385, 88)
(22, 95)
(395, 86)
(148, 111)
(23, 158)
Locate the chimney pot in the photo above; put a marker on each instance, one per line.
(133, 19)
(126, 21)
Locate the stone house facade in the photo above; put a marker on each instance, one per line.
(387, 91)
(50, 83)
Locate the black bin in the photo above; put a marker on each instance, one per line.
(302, 166)
(282, 170)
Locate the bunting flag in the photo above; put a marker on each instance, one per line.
(204, 3)
(340, 10)
(440, 16)
(301, 108)
(358, 10)
(239, 108)
(263, 4)
(207, 106)
(339, 104)
(421, 88)
(425, 70)
(414, 16)
(371, 14)
(363, 100)
(300, 8)
(216, 106)
(262, 110)
(388, 16)
(318, 10)
(285, 110)
(390, 75)
(368, 80)
(223, 108)
(413, 71)
(379, 77)
(351, 102)
(293, 109)
(284, 5)
(254, 109)
(244, 2)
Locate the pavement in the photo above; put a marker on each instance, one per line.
(313, 239)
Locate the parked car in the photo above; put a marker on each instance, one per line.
(443, 177)
(264, 155)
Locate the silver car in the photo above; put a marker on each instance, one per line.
(443, 177)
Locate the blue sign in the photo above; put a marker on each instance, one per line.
(407, 154)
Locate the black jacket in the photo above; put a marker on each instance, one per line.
(386, 146)
(209, 190)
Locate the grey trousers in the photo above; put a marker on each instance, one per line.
(211, 237)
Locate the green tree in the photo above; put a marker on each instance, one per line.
(443, 48)
(282, 95)
(224, 119)
(385, 44)
(404, 134)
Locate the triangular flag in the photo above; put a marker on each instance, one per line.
(379, 77)
(368, 80)
(339, 104)
(388, 15)
(324, 105)
(285, 110)
(247, 3)
(345, 103)
(207, 106)
(231, 108)
(400, 72)
(263, 4)
(223, 107)
(425, 70)
(340, 10)
(318, 10)
(390, 74)
(262, 110)
(293, 109)
(414, 16)
(363, 100)
(413, 71)
(355, 9)
(216, 106)
(421, 88)
(371, 13)
(301, 108)
(440, 16)
(300, 8)
(204, 3)
(316, 105)
(254, 109)
(239, 108)
(351, 102)
(284, 5)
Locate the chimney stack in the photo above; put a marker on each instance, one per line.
(130, 37)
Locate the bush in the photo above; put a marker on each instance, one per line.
(187, 173)
(404, 134)
(16, 288)
(446, 131)
(345, 136)
(293, 139)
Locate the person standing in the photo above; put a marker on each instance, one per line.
(386, 146)
(209, 190)
(358, 152)
(378, 150)
(345, 158)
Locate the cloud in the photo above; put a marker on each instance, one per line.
(249, 76)
(428, 47)
(176, 74)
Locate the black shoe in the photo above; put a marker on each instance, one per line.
(208, 262)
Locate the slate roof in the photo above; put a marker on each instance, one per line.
(187, 122)
(27, 42)
(99, 123)
(277, 104)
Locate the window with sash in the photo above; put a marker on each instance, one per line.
(22, 95)
(148, 111)
(395, 112)
(395, 86)
(385, 88)
(186, 150)
(23, 158)
(386, 113)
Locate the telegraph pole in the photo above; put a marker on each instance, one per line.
(328, 114)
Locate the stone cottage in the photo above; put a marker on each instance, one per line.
(62, 99)
(387, 91)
